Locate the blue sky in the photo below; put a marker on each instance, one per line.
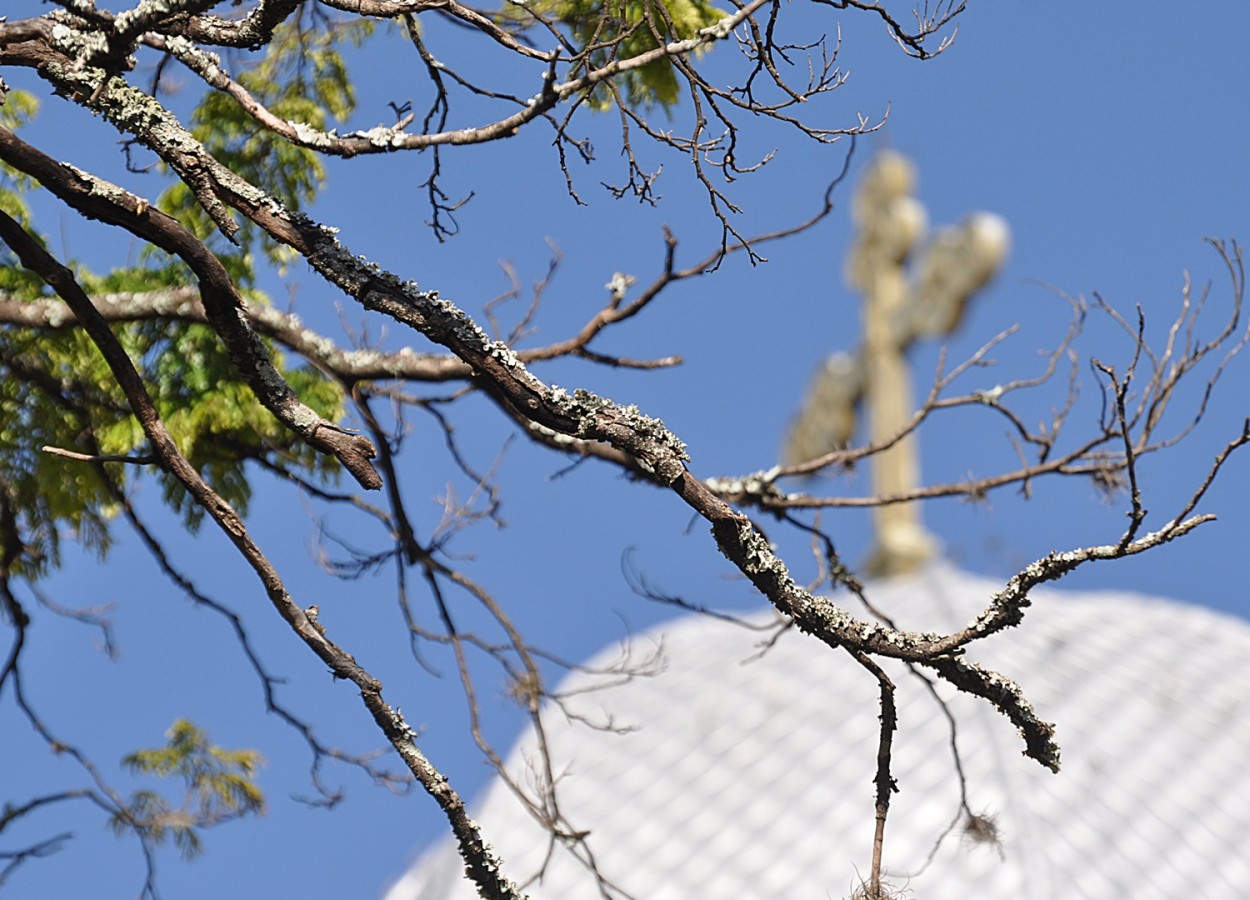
(1113, 142)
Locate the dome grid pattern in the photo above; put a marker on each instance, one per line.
(755, 780)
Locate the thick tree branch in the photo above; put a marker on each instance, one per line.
(221, 300)
(582, 415)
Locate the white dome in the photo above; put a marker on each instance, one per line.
(752, 777)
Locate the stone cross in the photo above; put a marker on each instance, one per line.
(899, 308)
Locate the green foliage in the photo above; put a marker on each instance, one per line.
(635, 24)
(220, 786)
(18, 108)
(55, 390)
(301, 78)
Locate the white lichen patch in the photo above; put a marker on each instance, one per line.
(759, 556)
(313, 137)
(303, 419)
(503, 353)
(757, 484)
(211, 62)
(719, 30)
(382, 136)
(991, 396)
